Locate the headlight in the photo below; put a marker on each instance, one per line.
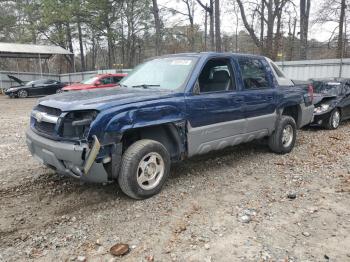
(13, 89)
(322, 108)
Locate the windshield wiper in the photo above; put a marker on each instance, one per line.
(144, 86)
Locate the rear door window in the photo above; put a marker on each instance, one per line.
(253, 73)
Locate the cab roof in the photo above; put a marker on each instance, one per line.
(210, 54)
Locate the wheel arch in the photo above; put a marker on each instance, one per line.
(171, 135)
(294, 111)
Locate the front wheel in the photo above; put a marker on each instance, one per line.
(283, 139)
(334, 120)
(22, 93)
(144, 169)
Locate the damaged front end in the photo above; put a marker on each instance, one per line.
(60, 140)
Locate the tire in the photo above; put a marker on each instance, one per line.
(22, 93)
(144, 159)
(59, 90)
(334, 120)
(280, 143)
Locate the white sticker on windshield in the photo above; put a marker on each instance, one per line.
(181, 62)
(333, 83)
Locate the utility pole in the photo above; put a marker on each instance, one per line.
(205, 27)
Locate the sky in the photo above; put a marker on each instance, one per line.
(228, 18)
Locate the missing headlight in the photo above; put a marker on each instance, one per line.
(76, 124)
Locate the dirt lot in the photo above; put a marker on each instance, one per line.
(227, 206)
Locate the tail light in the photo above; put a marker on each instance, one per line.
(310, 91)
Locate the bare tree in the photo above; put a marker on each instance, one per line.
(262, 26)
(210, 10)
(189, 14)
(217, 26)
(340, 45)
(157, 25)
(274, 10)
(305, 6)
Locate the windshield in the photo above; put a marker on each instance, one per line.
(164, 73)
(328, 88)
(30, 83)
(89, 81)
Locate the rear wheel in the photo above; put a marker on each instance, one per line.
(283, 139)
(334, 120)
(59, 91)
(144, 169)
(22, 93)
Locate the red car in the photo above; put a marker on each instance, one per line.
(98, 81)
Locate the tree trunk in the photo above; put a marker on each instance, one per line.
(122, 41)
(210, 11)
(291, 38)
(110, 44)
(304, 27)
(205, 28)
(247, 25)
(340, 46)
(157, 25)
(278, 36)
(262, 27)
(217, 26)
(211, 29)
(270, 26)
(82, 56)
(70, 47)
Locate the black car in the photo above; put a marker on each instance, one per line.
(332, 101)
(34, 88)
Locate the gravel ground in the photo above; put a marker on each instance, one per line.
(240, 204)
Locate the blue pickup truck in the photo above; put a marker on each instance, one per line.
(168, 109)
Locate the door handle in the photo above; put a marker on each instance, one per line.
(238, 100)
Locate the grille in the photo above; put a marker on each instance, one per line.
(49, 110)
(44, 127)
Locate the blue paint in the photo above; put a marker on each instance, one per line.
(121, 109)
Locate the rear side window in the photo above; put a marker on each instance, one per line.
(253, 73)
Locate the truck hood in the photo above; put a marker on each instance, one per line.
(101, 99)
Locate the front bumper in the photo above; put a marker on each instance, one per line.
(66, 158)
(10, 93)
(320, 118)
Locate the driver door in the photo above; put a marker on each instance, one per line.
(214, 108)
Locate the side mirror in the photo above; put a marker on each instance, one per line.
(97, 83)
(196, 88)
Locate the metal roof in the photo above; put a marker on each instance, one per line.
(12, 50)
